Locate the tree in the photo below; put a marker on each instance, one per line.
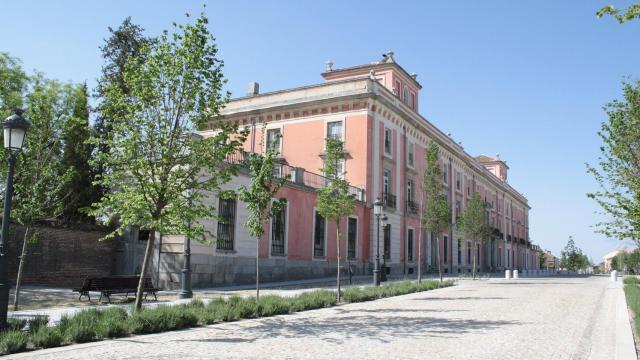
(572, 257)
(160, 174)
(633, 261)
(13, 85)
(259, 195)
(40, 179)
(124, 44)
(334, 200)
(436, 215)
(542, 260)
(618, 172)
(473, 224)
(80, 192)
(624, 15)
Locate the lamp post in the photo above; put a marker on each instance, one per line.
(377, 211)
(15, 129)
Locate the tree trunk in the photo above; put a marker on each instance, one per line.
(338, 256)
(20, 269)
(475, 253)
(438, 257)
(257, 269)
(143, 271)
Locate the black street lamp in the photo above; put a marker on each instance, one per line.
(15, 129)
(377, 211)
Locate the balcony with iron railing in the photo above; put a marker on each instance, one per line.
(412, 207)
(295, 175)
(388, 200)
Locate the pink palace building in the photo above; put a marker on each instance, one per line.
(374, 109)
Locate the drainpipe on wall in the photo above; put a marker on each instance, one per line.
(452, 196)
(404, 197)
(253, 134)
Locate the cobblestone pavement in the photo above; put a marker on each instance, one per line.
(555, 318)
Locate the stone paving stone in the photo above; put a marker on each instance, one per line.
(534, 318)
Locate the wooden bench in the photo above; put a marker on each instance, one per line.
(111, 285)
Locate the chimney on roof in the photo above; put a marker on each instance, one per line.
(254, 89)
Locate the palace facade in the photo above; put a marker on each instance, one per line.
(374, 109)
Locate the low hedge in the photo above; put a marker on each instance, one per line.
(93, 324)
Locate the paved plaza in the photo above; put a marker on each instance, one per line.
(539, 318)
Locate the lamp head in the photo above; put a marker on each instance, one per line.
(15, 129)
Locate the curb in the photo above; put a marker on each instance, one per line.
(625, 345)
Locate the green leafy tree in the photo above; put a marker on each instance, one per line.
(633, 261)
(40, 178)
(618, 171)
(259, 196)
(13, 85)
(615, 263)
(159, 172)
(436, 213)
(473, 224)
(622, 15)
(80, 192)
(123, 44)
(572, 257)
(334, 200)
(542, 260)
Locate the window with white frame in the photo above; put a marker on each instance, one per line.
(411, 155)
(319, 235)
(410, 245)
(340, 171)
(387, 242)
(274, 139)
(225, 235)
(405, 94)
(279, 232)
(410, 190)
(387, 141)
(386, 184)
(334, 130)
(352, 233)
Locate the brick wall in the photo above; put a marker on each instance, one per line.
(61, 257)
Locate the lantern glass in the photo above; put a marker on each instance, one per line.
(13, 138)
(377, 207)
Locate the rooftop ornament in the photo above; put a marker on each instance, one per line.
(329, 65)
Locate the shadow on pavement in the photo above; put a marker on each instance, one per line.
(338, 329)
(460, 298)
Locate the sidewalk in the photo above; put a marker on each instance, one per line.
(169, 297)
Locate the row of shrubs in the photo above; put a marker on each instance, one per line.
(632, 294)
(114, 322)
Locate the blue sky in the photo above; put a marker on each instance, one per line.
(526, 79)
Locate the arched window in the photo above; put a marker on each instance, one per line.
(405, 95)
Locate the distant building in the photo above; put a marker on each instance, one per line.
(607, 259)
(551, 262)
